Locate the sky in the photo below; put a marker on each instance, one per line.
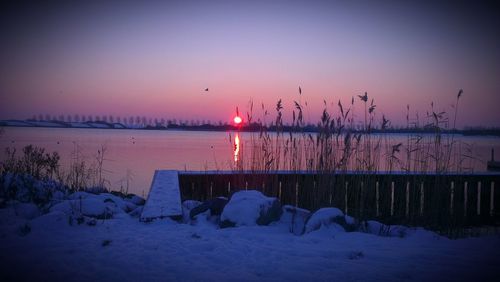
(155, 58)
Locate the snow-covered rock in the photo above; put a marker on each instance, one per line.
(136, 200)
(380, 229)
(250, 208)
(121, 203)
(91, 207)
(324, 217)
(374, 227)
(187, 206)
(137, 212)
(216, 206)
(349, 220)
(295, 218)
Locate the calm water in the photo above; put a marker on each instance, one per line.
(138, 153)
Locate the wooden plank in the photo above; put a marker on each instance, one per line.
(164, 199)
(392, 198)
(479, 198)
(492, 198)
(452, 195)
(465, 198)
(421, 198)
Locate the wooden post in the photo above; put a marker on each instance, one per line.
(263, 186)
(246, 185)
(345, 197)
(407, 209)
(377, 200)
(279, 190)
(192, 189)
(452, 195)
(492, 197)
(392, 198)
(228, 188)
(211, 190)
(479, 198)
(465, 198)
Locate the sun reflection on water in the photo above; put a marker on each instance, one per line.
(236, 147)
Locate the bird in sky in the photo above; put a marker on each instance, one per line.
(206, 89)
(300, 90)
(363, 98)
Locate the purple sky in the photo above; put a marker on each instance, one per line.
(155, 58)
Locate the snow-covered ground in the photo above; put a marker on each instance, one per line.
(118, 247)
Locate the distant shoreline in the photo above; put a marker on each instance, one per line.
(245, 128)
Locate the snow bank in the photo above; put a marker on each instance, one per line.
(125, 249)
(250, 208)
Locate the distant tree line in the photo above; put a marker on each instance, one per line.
(141, 121)
(208, 125)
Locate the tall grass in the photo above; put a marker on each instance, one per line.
(34, 162)
(339, 146)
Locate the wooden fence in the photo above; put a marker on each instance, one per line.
(435, 200)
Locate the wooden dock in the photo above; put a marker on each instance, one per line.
(164, 198)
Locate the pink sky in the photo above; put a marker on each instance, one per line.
(155, 60)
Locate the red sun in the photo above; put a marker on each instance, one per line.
(237, 120)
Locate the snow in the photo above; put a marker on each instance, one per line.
(323, 217)
(79, 124)
(136, 200)
(16, 123)
(99, 206)
(46, 124)
(27, 210)
(295, 218)
(187, 206)
(164, 198)
(98, 125)
(51, 247)
(246, 208)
